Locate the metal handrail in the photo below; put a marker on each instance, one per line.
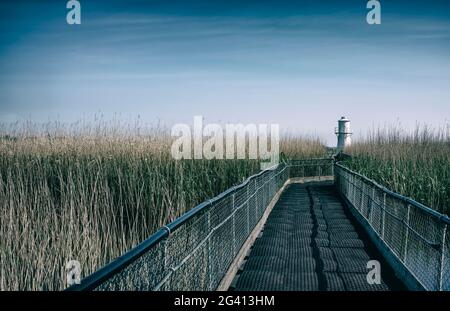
(439, 216)
(399, 219)
(414, 277)
(96, 278)
(114, 267)
(120, 263)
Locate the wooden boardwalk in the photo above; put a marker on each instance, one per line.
(310, 242)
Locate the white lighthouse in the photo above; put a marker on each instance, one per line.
(343, 134)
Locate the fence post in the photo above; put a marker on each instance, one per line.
(234, 220)
(210, 285)
(362, 198)
(354, 190)
(347, 185)
(256, 200)
(441, 268)
(343, 176)
(405, 253)
(383, 218)
(266, 192)
(350, 188)
(372, 200)
(164, 243)
(248, 209)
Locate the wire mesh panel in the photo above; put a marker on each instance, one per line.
(395, 224)
(365, 199)
(252, 213)
(196, 250)
(195, 264)
(415, 234)
(376, 210)
(186, 250)
(310, 168)
(143, 274)
(222, 246)
(425, 238)
(241, 224)
(186, 238)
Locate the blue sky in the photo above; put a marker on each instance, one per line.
(301, 64)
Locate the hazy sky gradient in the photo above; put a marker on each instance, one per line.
(302, 64)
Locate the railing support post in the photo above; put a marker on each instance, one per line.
(210, 281)
(354, 191)
(362, 197)
(165, 243)
(248, 209)
(442, 263)
(383, 217)
(405, 253)
(256, 201)
(372, 200)
(234, 220)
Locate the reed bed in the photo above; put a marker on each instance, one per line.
(91, 192)
(415, 164)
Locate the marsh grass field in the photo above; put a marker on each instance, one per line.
(415, 164)
(93, 194)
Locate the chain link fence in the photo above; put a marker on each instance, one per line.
(196, 250)
(311, 168)
(416, 235)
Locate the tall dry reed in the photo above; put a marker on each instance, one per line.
(415, 164)
(90, 192)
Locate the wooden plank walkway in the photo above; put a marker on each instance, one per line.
(309, 243)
